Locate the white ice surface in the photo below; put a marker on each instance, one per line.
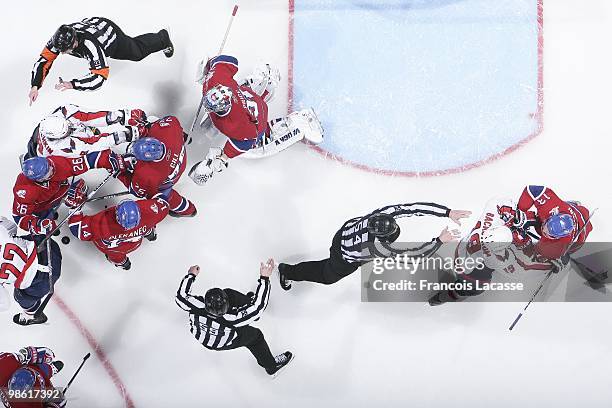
(349, 354)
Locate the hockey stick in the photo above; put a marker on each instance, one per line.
(229, 25)
(549, 274)
(77, 372)
(104, 197)
(74, 211)
(45, 302)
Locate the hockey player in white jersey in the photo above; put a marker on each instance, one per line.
(29, 272)
(70, 132)
(490, 247)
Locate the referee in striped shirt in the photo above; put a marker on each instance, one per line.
(362, 239)
(95, 39)
(220, 319)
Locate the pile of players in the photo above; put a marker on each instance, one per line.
(67, 144)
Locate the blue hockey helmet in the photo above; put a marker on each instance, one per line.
(128, 214)
(23, 379)
(37, 168)
(148, 149)
(558, 226)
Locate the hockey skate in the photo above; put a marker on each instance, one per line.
(284, 282)
(282, 360)
(151, 236)
(125, 265)
(169, 50)
(24, 319)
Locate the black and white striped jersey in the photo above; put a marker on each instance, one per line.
(214, 332)
(96, 36)
(358, 246)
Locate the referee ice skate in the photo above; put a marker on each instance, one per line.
(362, 239)
(95, 39)
(220, 319)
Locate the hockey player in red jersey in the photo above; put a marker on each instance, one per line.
(43, 182)
(240, 113)
(31, 368)
(161, 160)
(71, 132)
(563, 226)
(118, 230)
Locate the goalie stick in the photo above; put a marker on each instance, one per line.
(229, 25)
(549, 274)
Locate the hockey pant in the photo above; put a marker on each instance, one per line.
(234, 147)
(118, 254)
(30, 298)
(137, 48)
(325, 271)
(253, 339)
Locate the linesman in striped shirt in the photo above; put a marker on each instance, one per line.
(362, 239)
(95, 39)
(220, 320)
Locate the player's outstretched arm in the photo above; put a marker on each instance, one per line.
(457, 215)
(41, 69)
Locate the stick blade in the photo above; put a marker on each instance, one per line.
(515, 321)
(235, 10)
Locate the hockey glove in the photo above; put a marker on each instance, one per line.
(42, 226)
(120, 164)
(520, 239)
(35, 355)
(77, 194)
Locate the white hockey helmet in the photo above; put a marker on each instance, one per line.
(496, 238)
(218, 99)
(54, 127)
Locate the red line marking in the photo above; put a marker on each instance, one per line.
(108, 367)
(539, 114)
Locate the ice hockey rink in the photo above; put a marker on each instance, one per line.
(348, 353)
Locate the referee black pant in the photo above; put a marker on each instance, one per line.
(253, 339)
(325, 271)
(137, 48)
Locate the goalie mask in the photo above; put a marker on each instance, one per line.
(218, 99)
(54, 127)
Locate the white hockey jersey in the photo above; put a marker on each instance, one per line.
(86, 133)
(18, 256)
(499, 257)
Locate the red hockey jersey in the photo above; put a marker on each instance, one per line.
(546, 204)
(103, 229)
(151, 178)
(248, 116)
(32, 199)
(9, 364)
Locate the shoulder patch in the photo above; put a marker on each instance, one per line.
(21, 193)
